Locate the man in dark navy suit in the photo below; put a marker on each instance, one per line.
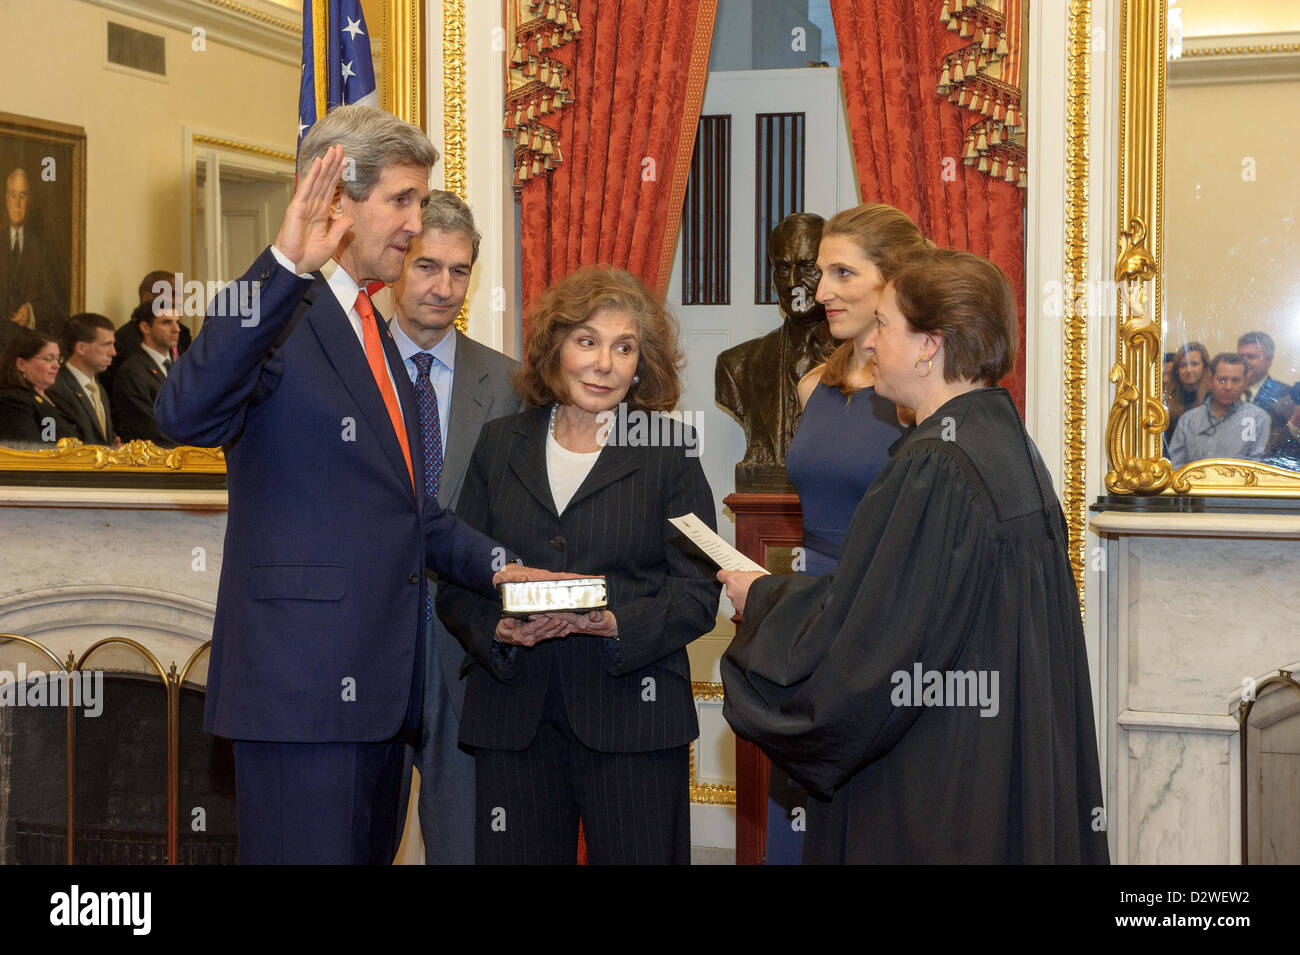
(317, 646)
(1262, 390)
(140, 378)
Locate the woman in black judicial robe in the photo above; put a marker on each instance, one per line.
(936, 687)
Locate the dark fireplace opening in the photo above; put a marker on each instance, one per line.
(119, 788)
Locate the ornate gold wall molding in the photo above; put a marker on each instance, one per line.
(138, 457)
(232, 144)
(401, 28)
(453, 110)
(711, 794)
(1078, 93)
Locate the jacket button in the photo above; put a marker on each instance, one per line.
(413, 579)
(266, 274)
(557, 542)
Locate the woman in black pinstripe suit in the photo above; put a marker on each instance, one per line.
(588, 717)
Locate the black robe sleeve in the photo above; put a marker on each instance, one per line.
(810, 674)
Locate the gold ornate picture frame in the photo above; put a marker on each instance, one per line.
(1137, 415)
(399, 72)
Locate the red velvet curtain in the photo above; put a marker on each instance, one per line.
(908, 140)
(638, 73)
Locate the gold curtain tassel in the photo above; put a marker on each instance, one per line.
(1002, 44)
(981, 142)
(984, 164)
(965, 28)
(969, 152)
(995, 137)
(1023, 182)
(996, 169)
(958, 74)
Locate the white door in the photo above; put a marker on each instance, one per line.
(829, 185)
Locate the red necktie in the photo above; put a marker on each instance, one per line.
(379, 368)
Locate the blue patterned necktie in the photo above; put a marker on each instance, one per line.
(426, 400)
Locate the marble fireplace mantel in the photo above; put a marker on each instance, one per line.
(1194, 603)
(79, 565)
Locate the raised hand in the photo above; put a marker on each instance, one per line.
(308, 236)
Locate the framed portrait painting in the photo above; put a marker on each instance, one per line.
(43, 243)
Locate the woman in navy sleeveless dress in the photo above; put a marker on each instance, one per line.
(844, 436)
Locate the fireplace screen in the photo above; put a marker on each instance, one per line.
(110, 748)
(1270, 773)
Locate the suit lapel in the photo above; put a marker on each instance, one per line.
(613, 464)
(528, 456)
(469, 412)
(348, 357)
(528, 461)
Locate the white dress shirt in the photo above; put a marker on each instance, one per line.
(345, 290)
(158, 358)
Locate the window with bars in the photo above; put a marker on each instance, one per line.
(706, 216)
(779, 187)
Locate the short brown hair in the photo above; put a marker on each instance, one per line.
(968, 302)
(1229, 358)
(572, 301)
(27, 344)
(81, 328)
(153, 279)
(884, 235)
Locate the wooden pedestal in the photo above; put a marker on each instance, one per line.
(762, 521)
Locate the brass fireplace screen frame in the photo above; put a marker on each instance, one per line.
(172, 682)
(1283, 678)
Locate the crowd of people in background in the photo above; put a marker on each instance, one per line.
(1229, 406)
(93, 382)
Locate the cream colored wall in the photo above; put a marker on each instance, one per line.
(1232, 246)
(133, 123)
(1237, 17)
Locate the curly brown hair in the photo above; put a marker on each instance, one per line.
(572, 301)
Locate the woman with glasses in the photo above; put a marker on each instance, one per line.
(29, 365)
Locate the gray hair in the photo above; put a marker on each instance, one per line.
(1262, 339)
(447, 211)
(372, 141)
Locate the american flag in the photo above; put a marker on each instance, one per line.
(336, 65)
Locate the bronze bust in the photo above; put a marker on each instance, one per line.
(757, 380)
